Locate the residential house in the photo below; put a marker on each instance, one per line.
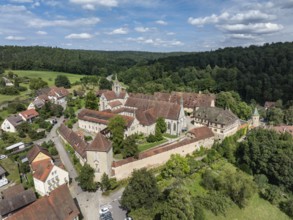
(29, 115)
(10, 123)
(98, 154)
(58, 205)
(7, 82)
(46, 175)
(15, 198)
(56, 95)
(269, 105)
(222, 122)
(200, 133)
(39, 102)
(3, 180)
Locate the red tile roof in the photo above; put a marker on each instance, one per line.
(58, 92)
(100, 144)
(115, 104)
(156, 109)
(101, 117)
(190, 100)
(75, 141)
(42, 169)
(59, 205)
(269, 104)
(28, 114)
(111, 95)
(283, 129)
(201, 132)
(33, 152)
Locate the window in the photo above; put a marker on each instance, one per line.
(174, 127)
(169, 126)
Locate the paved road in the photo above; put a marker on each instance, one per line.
(112, 202)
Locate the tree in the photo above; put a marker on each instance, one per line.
(105, 84)
(289, 116)
(105, 182)
(142, 190)
(91, 101)
(161, 124)
(62, 81)
(117, 126)
(37, 83)
(86, 178)
(275, 116)
(287, 207)
(177, 166)
(130, 148)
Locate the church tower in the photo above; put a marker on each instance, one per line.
(116, 86)
(255, 118)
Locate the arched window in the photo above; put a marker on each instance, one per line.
(174, 127)
(169, 126)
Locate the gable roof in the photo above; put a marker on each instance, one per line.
(28, 114)
(12, 191)
(115, 103)
(269, 104)
(190, 100)
(215, 115)
(58, 92)
(15, 120)
(59, 205)
(101, 117)
(33, 152)
(17, 201)
(163, 109)
(100, 144)
(201, 132)
(78, 144)
(42, 169)
(111, 95)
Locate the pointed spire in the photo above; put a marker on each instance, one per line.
(255, 113)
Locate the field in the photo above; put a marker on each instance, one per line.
(47, 76)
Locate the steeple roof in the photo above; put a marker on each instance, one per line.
(255, 113)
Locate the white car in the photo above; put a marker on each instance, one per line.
(104, 210)
(2, 156)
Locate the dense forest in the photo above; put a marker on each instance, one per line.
(263, 73)
(73, 61)
(260, 73)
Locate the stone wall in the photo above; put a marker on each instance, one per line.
(155, 157)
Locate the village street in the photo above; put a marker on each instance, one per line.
(88, 202)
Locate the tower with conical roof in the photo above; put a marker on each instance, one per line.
(116, 86)
(255, 118)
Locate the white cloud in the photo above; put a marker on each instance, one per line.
(79, 36)
(12, 8)
(41, 33)
(250, 16)
(142, 29)
(241, 36)
(170, 33)
(15, 38)
(36, 4)
(90, 7)
(121, 30)
(161, 22)
(63, 23)
(156, 41)
(21, 1)
(106, 3)
(258, 28)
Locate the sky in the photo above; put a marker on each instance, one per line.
(145, 25)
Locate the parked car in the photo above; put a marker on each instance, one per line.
(2, 156)
(104, 210)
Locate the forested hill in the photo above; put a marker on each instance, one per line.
(263, 72)
(73, 61)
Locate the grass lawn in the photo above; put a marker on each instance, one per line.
(257, 209)
(12, 169)
(146, 146)
(48, 76)
(170, 136)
